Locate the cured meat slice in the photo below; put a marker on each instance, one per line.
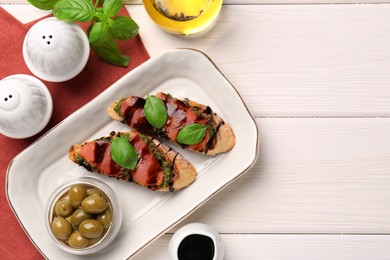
(158, 166)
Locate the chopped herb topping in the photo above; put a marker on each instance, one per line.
(80, 161)
(125, 136)
(118, 106)
(105, 139)
(165, 165)
(125, 172)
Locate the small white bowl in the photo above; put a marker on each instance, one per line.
(55, 50)
(196, 241)
(114, 206)
(26, 106)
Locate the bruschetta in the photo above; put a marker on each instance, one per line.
(158, 167)
(218, 138)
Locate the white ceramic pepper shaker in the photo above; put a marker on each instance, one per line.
(56, 50)
(25, 106)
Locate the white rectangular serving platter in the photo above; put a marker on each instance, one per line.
(36, 172)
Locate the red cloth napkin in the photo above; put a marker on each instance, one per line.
(67, 97)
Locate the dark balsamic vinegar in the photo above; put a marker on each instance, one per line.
(196, 247)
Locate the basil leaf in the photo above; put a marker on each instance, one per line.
(74, 10)
(105, 46)
(123, 28)
(43, 4)
(155, 112)
(191, 134)
(123, 153)
(98, 32)
(111, 7)
(101, 16)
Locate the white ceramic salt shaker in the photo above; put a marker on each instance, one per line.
(56, 50)
(25, 106)
(196, 241)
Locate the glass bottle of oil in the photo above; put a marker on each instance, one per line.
(183, 16)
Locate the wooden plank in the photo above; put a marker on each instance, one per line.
(24, 12)
(254, 247)
(313, 175)
(293, 61)
(296, 61)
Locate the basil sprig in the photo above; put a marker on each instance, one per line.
(105, 25)
(155, 111)
(191, 134)
(123, 153)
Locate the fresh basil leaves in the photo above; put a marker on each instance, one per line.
(111, 7)
(105, 26)
(123, 153)
(104, 45)
(155, 111)
(74, 10)
(191, 134)
(122, 27)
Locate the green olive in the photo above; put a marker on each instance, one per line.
(77, 193)
(95, 240)
(76, 240)
(63, 208)
(94, 204)
(91, 228)
(94, 192)
(105, 218)
(61, 228)
(78, 216)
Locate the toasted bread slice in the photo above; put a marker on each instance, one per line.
(219, 138)
(158, 168)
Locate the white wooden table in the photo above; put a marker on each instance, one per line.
(316, 75)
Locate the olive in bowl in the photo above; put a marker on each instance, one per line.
(83, 216)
